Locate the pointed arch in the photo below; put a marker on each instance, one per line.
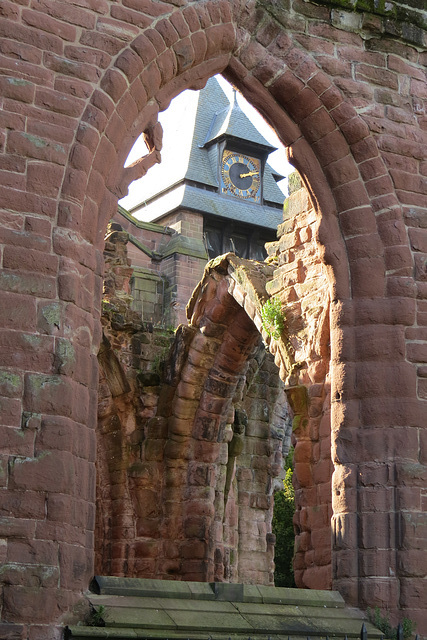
(73, 140)
(328, 142)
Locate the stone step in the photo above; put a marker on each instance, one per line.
(172, 610)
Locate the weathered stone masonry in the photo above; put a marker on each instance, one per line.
(139, 408)
(345, 89)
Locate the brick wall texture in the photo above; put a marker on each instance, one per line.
(346, 91)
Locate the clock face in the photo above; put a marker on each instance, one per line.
(240, 176)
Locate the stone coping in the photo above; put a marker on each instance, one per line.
(219, 591)
(175, 610)
(148, 226)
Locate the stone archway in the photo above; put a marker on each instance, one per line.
(194, 498)
(92, 78)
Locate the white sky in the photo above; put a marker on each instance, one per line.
(171, 120)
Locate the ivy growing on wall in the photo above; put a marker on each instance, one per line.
(273, 321)
(283, 528)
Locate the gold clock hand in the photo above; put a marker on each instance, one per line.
(250, 173)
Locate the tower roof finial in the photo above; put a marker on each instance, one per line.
(234, 98)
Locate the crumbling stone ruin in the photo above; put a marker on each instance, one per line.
(343, 84)
(172, 477)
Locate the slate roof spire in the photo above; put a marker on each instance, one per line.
(232, 123)
(188, 175)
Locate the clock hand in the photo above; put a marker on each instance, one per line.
(250, 173)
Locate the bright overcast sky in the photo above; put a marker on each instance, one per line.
(169, 120)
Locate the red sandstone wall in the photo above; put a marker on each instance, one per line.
(300, 281)
(129, 357)
(183, 270)
(180, 261)
(134, 535)
(79, 85)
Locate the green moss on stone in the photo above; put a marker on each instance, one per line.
(18, 82)
(294, 182)
(298, 399)
(52, 314)
(406, 19)
(33, 340)
(36, 141)
(38, 382)
(65, 355)
(10, 384)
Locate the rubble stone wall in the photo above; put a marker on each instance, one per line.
(346, 91)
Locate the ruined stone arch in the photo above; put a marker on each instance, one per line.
(205, 386)
(185, 487)
(60, 210)
(297, 98)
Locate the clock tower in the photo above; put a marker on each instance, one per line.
(247, 190)
(240, 176)
(213, 191)
(242, 153)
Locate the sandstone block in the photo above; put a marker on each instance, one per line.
(409, 498)
(213, 404)
(54, 394)
(303, 473)
(411, 563)
(201, 474)
(317, 517)
(188, 390)
(322, 471)
(219, 387)
(303, 451)
(376, 530)
(412, 590)
(10, 412)
(32, 552)
(411, 474)
(75, 566)
(26, 505)
(344, 527)
(147, 528)
(184, 409)
(379, 589)
(318, 578)
(344, 500)
(177, 450)
(196, 527)
(321, 541)
(54, 473)
(368, 287)
(180, 426)
(194, 549)
(30, 603)
(201, 508)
